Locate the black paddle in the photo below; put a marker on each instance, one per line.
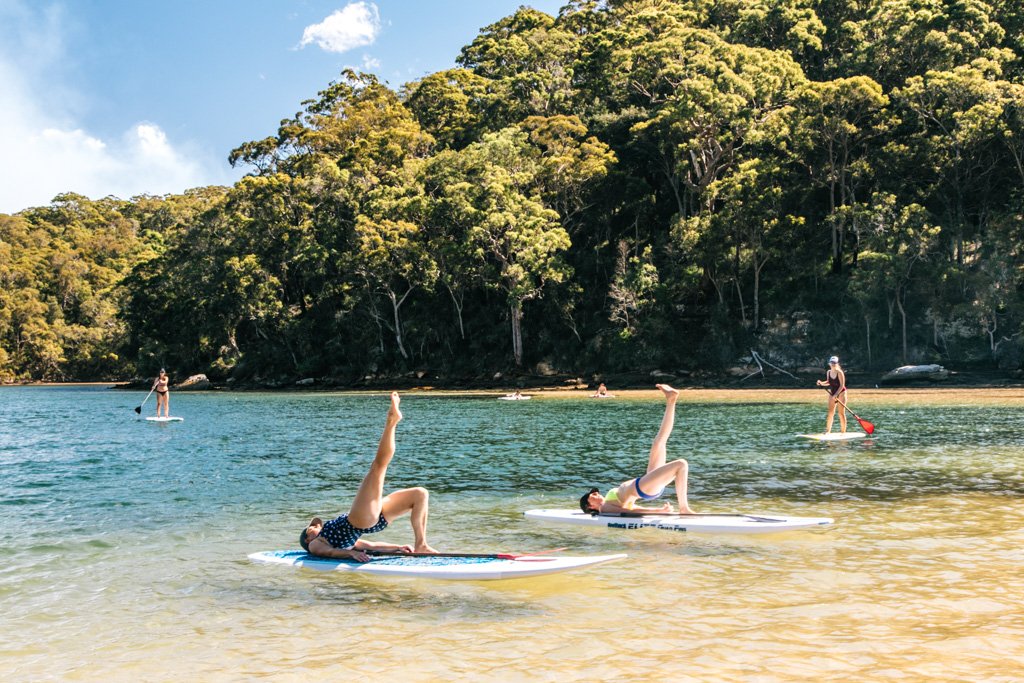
(138, 408)
(489, 556)
(637, 513)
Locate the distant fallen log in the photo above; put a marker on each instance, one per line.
(916, 373)
(761, 362)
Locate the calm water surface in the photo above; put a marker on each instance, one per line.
(123, 543)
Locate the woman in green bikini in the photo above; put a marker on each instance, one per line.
(659, 474)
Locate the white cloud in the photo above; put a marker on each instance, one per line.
(48, 152)
(368, 65)
(356, 25)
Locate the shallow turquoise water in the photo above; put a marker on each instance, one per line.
(123, 543)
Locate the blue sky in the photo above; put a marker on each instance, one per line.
(127, 97)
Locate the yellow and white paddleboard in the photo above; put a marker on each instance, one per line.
(834, 436)
(693, 523)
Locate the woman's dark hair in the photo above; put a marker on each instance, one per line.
(585, 501)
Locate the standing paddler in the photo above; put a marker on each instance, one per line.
(835, 380)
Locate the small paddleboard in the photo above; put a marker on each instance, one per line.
(426, 567)
(514, 398)
(834, 436)
(165, 419)
(706, 524)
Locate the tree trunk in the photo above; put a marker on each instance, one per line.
(991, 331)
(903, 321)
(736, 280)
(380, 328)
(758, 265)
(757, 291)
(867, 329)
(458, 310)
(517, 332)
(396, 303)
(743, 308)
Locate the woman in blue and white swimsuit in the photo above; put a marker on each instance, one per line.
(659, 474)
(371, 510)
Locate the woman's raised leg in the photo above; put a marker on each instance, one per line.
(366, 508)
(659, 450)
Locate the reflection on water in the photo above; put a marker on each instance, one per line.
(123, 544)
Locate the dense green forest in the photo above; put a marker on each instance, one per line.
(634, 184)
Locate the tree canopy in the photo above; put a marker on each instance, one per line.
(629, 185)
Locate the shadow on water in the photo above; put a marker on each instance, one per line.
(411, 600)
(418, 601)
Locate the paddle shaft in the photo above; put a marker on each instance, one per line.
(676, 514)
(139, 409)
(865, 425)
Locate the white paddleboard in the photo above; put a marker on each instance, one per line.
(165, 419)
(706, 524)
(450, 568)
(834, 436)
(514, 398)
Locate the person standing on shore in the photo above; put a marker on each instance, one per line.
(371, 510)
(163, 395)
(835, 380)
(659, 474)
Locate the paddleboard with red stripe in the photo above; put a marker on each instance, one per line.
(452, 568)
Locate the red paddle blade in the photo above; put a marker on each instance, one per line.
(868, 428)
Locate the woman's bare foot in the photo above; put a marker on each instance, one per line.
(424, 548)
(393, 412)
(670, 393)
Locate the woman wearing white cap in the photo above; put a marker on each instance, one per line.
(835, 380)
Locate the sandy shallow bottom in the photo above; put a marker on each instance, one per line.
(924, 590)
(918, 396)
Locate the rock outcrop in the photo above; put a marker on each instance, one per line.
(915, 373)
(194, 383)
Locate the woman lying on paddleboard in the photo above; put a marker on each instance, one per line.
(835, 380)
(659, 474)
(371, 510)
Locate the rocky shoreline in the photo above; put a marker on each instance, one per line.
(737, 378)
